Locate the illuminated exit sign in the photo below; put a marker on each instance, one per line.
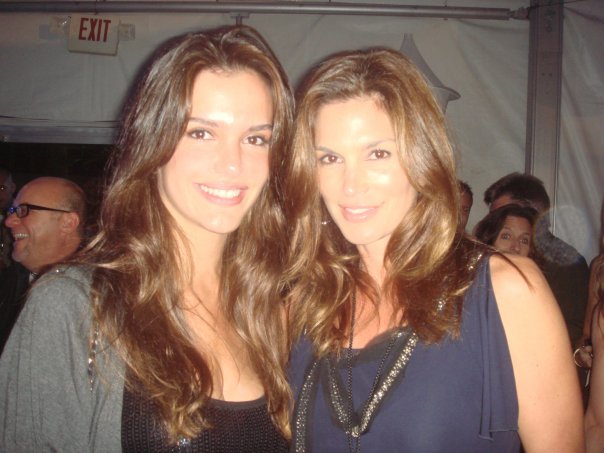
(93, 34)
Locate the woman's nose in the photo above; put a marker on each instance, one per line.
(355, 180)
(228, 159)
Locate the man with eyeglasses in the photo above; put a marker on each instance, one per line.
(47, 224)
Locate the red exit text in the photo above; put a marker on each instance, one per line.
(93, 29)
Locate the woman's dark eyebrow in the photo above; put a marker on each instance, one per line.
(204, 121)
(211, 123)
(325, 149)
(262, 127)
(377, 142)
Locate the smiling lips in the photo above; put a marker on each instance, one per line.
(223, 196)
(358, 214)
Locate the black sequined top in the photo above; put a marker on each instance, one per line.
(238, 427)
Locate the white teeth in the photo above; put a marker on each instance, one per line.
(221, 193)
(19, 236)
(357, 210)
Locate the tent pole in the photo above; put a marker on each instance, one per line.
(544, 93)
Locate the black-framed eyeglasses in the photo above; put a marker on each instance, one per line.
(23, 209)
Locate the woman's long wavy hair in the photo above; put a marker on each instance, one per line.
(140, 274)
(427, 264)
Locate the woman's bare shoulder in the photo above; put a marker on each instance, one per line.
(518, 279)
(546, 379)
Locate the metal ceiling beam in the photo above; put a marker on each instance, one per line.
(320, 8)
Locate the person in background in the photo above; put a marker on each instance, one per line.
(409, 335)
(47, 224)
(7, 187)
(7, 190)
(509, 229)
(167, 331)
(583, 355)
(594, 358)
(564, 268)
(466, 202)
(593, 298)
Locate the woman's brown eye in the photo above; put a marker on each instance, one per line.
(380, 154)
(328, 159)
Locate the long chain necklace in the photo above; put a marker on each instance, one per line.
(353, 433)
(340, 398)
(349, 434)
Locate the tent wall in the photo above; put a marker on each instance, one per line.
(49, 94)
(581, 170)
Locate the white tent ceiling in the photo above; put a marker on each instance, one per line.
(51, 95)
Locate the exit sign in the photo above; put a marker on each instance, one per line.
(93, 34)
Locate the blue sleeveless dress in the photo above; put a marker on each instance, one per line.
(458, 396)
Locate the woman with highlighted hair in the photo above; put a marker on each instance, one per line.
(410, 337)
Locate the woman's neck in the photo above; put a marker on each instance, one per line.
(372, 257)
(373, 320)
(202, 259)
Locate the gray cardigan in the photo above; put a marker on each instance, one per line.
(47, 402)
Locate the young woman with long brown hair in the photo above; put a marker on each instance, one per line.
(169, 333)
(412, 338)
